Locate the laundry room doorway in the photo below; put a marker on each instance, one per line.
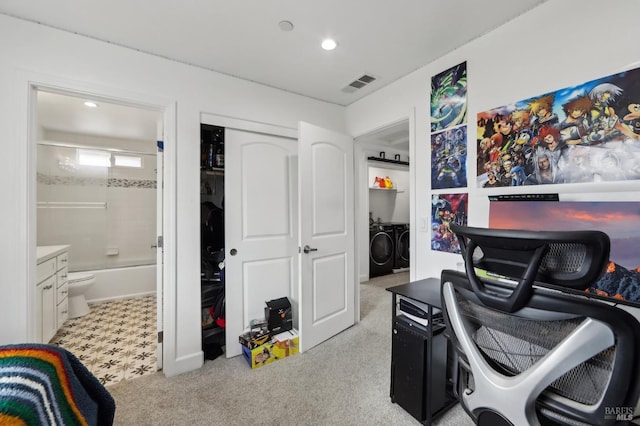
(384, 192)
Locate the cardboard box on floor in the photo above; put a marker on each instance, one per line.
(279, 346)
(253, 339)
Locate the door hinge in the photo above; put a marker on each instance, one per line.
(160, 241)
(160, 336)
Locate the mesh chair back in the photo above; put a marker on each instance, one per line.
(542, 356)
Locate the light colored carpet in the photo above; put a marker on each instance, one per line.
(344, 381)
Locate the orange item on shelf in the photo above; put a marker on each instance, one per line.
(379, 183)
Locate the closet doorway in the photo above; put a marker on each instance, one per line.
(99, 190)
(266, 238)
(212, 255)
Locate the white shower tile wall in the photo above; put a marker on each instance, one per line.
(106, 214)
(116, 340)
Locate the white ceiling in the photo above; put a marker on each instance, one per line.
(69, 114)
(386, 39)
(382, 38)
(395, 136)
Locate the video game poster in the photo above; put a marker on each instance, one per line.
(449, 98)
(581, 134)
(449, 158)
(445, 210)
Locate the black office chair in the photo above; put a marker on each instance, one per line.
(532, 348)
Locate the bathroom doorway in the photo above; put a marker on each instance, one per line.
(99, 181)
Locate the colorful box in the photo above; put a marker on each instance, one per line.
(279, 346)
(252, 339)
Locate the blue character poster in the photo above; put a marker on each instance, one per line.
(581, 134)
(445, 210)
(449, 158)
(449, 98)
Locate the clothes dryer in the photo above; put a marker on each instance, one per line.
(401, 252)
(381, 249)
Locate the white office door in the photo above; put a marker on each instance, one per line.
(261, 227)
(327, 262)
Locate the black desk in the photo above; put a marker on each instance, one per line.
(420, 364)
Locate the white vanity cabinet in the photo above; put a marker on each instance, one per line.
(62, 302)
(52, 290)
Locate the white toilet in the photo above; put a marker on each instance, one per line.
(79, 283)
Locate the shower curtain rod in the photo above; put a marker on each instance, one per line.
(70, 145)
(71, 205)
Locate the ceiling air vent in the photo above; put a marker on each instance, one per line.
(358, 83)
(367, 79)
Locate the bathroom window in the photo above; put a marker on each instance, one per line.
(127, 161)
(92, 157)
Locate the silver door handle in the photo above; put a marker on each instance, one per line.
(308, 249)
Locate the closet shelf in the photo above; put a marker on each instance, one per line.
(385, 189)
(213, 172)
(388, 160)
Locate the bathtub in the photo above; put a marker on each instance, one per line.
(122, 283)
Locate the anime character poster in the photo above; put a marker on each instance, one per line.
(449, 158)
(449, 98)
(445, 210)
(581, 134)
(619, 220)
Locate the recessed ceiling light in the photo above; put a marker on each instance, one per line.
(329, 44)
(91, 104)
(285, 25)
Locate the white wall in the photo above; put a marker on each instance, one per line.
(559, 44)
(33, 53)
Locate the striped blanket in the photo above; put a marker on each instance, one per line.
(47, 385)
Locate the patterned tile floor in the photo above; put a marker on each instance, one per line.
(116, 340)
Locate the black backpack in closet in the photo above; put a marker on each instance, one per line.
(211, 227)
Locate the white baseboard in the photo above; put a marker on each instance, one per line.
(121, 297)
